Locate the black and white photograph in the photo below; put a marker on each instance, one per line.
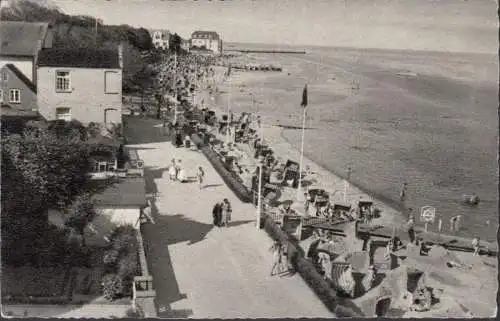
(245, 159)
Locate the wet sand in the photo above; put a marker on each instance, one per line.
(423, 118)
(480, 281)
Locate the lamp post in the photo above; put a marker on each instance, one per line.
(259, 196)
(346, 182)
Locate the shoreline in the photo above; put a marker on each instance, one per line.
(481, 268)
(330, 180)
(284, 149)
(384, 146)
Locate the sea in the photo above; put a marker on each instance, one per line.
(426, 118)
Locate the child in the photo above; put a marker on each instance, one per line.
(172, 170)
(475, 245)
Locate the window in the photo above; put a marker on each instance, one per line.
(112, 82)
(1, 96)
(63, 81)
(102, 166)
(5, 77)
(63, 113)
(15, 96)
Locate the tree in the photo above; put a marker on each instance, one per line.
(42, 170)
(143, 39)
(175, 43)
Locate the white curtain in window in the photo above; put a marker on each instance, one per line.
(63, 113)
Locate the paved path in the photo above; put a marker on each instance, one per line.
(205, 272)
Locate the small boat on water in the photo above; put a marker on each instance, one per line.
(471, 200)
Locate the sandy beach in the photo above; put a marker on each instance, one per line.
(424, 120)
(478, 281)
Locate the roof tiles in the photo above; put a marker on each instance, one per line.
(79, 58)
(19, 38)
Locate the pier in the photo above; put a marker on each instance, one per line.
(302, 52)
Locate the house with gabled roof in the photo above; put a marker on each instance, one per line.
(209, 40)
(17, 92)
(20, 43)
(84, 84)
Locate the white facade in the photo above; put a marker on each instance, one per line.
(210, 44)
(160, 39)
(93, 95)
(24, 64)
(207, 39)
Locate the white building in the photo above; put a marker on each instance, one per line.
(160, 38)
(209, 40)
(20, 43)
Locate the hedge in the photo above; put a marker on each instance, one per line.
(341, 308)
(231, 179)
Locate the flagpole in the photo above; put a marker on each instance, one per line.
(228, 105)
(299, 188)
(228, 111)
(175, 85)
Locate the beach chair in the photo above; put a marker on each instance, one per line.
(342, 279)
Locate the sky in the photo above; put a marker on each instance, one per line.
(437, 25)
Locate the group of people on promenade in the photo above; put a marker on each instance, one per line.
(176, 172)
(221, 213)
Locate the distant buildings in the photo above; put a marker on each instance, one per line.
(209, 40)
(185, 44)
(17, 92)
(160, 38)
(81, 84)
(20, 43)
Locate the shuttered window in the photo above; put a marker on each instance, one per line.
(112, 82)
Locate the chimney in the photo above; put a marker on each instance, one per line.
(49, 37)
(120, 55)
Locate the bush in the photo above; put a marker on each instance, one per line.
(123, 239)
(111, 257)
(128, 266)
(232, 180)
(112, 286)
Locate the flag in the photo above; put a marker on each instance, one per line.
(304, 97)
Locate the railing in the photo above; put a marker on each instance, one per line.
(143, 287)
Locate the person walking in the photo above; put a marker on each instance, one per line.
(411, 226)
(178, 168)
(277, 251)
(226, 212)
(172, 170)
(216, 214)
(476, 245)
(200, 175)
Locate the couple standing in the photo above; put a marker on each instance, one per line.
(221, 213)
(176, 172)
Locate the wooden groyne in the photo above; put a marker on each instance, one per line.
(302, 52)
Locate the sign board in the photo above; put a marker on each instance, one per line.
(427, 214)
(293, 225)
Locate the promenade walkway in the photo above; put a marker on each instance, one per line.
(201, 271)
